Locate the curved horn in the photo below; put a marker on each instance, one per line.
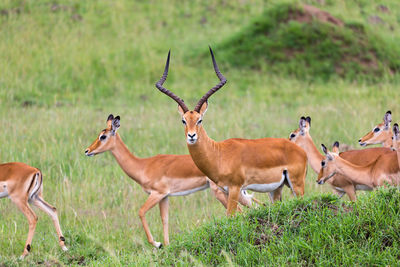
(215, 88)
(165, 90)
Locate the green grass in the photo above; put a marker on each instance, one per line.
(276, 42)
(316, 230)
(61, 75)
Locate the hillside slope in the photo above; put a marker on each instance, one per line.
(307, 42)
(320, 230)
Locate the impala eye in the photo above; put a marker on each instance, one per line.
(184, 122)
(376, 130)
(103, 137)
(292, 135)
(323, 163)
(199, 121)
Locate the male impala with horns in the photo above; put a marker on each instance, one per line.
(261, 165)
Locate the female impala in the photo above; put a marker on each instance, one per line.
(380, 134)
(385, 169)
(23, 184)
(262, 165)
(340, 183)
(160, 176)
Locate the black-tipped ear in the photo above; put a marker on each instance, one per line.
(302, 122)
(387, 119)
(336, 144)
(308, 119)
(110, 117)
(396, 129)
(115, 124)
(324, 149)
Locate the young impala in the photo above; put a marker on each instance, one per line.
(160, 176)
(340, 183)
(385, 169)
(380, 134)
(261, 165)
(23, 184)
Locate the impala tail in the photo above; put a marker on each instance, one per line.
(287, 182)
(36, 185)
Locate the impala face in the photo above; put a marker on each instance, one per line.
(192, 121)
(328, 169)
(380, 134)
(106, 139)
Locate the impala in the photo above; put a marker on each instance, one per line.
(385, 169)
(261, 165)
(380, 134)
(160, 176)
(340, 183)
(23, 184)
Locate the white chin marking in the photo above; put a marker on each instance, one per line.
(191, 142)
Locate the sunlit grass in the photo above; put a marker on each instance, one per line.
(61, 75)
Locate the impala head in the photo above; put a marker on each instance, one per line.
(106, 139)
(192, 119)
(380, 134)
(328, 166)
(298, 135)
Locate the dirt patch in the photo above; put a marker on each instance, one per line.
(263, 238)
(310, 13)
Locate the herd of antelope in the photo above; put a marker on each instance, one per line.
(229, 168)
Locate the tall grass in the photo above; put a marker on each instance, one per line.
(66, 65)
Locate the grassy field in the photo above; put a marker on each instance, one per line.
(66, 65)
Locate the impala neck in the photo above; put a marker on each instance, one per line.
(357, 174)
(205, 153)
(388, 142)
(396, 147)
(128, 162)
(313, 155)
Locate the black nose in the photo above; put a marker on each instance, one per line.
(192, 136)
(359, 140)
(86, 151)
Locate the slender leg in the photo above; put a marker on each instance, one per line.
(222, 196)
(233, 197)
(153, 199)
(351, 192)
(277, 194)
(39, 202)
(164, 204)
(22, 204)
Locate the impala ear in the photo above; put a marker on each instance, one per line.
(387, 119)
(203, 108)
(396, 131)
(308, 119)
(180, 110)
(335, 147)
(324, 149)
(115, 125)
(302, 125)
(109, 120)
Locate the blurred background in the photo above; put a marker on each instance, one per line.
(66, 65)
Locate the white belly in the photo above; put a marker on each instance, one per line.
(3, 190)
(262, 188)
(190, 191)
(339, 189)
